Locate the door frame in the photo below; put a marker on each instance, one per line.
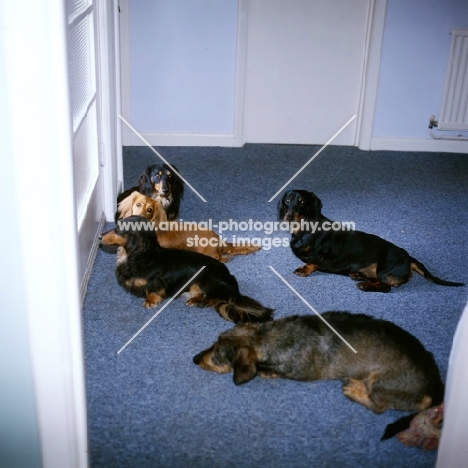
(108, 103)
(47, 238)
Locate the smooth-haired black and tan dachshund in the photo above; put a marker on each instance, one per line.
(161, 183)
(390, 370)
(147, 270)
(375, 263)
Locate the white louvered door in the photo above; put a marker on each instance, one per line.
(86, 160)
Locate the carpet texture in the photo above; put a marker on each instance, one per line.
(150, 406)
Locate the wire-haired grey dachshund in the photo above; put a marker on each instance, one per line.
(390, 370)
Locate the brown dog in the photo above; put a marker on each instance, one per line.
(391, 369)
(137, 204)
(206, 242)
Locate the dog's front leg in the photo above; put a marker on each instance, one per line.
(152, 300)
(305, 270)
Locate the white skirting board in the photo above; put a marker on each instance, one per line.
(418, 144)
(229, 140)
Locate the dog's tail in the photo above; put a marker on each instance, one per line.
(418, 267)
(243, 309)
(231, 249)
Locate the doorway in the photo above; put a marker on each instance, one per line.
(305, 67)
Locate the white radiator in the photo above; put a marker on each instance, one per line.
(454, 109)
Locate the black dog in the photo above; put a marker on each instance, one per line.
(390, 370)
(375, 262)
(145, 269)
(162, 184)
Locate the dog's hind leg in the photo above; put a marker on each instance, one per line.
(373, 285)
(368, 392)
(197, 297)
(357, 391)
(231, 249)
(393, 268)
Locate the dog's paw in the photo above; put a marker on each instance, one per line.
(305, 270)
(373, 286)
(195, 302)
(152, 300)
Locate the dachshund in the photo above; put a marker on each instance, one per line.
(375, 263)
(137, 204)
(145, 269)
(162, 184)
(213, 245)
(390, 370)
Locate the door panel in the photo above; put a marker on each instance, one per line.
(86, 164)
(305, 62)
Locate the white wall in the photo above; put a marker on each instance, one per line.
(415, 52)
(182, 75)
(182, 65)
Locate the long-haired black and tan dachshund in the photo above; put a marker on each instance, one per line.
(161, 183)
(147, 270)
(391, 369)
(376, 263)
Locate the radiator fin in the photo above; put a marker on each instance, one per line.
(454, 108)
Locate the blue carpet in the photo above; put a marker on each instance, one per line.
(150, 406)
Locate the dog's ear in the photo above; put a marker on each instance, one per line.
(177, 184)
(314, 206)
(144, 182)
(134, 242)
(159, 214)
(280, 206)
(124, 208)
(245, 365)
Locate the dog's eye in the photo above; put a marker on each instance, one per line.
(302, 202)
(287, 201)
(149, 210)
(169, 175)
(138, 204)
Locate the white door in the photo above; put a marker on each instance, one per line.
(305, 66)
(91, 37)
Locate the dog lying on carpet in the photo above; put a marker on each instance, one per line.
(376, 263)
(137, 204)
(147, 270)
(161, 183)
(391, 369)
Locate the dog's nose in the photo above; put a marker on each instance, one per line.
(197, 359)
